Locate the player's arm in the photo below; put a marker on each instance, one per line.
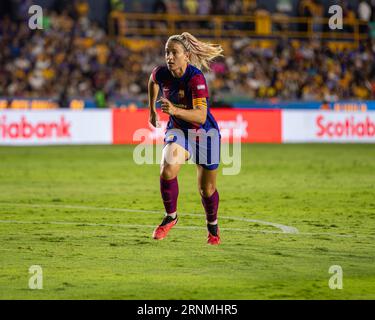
(197, 115)
(153, 91)
(199, 92)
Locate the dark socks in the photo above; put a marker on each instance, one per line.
(211, 205)
(167, 219)
(169, 194)
(212, 228)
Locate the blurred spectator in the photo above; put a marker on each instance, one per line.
(284, 6)
(262, 20)
(173, 7)
(218, 7)
(364, 11)
(191, 7)
(117, 5)
(204, 7)
(235, 7)
(159, 7)
(364, 15)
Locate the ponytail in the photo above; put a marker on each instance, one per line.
(200, 53)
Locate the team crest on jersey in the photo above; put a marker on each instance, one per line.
(181, 94)
(170, 138)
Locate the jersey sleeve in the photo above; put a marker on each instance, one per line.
(156, 75)
(198, 87)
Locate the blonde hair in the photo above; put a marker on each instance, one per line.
(200, 53)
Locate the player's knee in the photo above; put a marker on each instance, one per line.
(207, 190)
(167, 172)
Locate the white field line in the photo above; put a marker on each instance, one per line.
(284, 229)
(120, 225)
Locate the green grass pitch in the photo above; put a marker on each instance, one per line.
(68, 209)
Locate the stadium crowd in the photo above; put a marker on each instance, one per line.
(76, 58)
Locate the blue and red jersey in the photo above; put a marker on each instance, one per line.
(185, 92)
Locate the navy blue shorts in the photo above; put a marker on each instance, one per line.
(203, 146)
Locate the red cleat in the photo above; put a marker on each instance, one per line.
(162, 230)
(214, 240)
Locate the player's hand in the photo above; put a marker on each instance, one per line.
(154, 119)
(167, 106)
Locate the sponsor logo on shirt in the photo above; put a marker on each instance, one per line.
(201, 87)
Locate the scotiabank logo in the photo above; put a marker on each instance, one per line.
(348, 127)
(27, 130)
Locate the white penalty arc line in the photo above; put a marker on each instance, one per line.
(138, 226)
(283, 228)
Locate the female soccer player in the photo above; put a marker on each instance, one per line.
(192, 132)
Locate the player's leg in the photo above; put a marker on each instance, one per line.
(172, 158)
(210, 201)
